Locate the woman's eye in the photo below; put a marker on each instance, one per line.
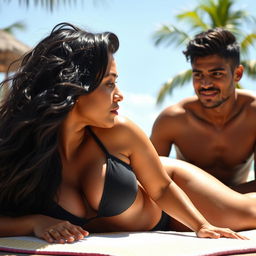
(111, 84)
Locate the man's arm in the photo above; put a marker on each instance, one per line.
(160, 136)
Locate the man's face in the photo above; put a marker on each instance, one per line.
(214, 80)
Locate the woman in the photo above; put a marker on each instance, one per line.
(69, 164)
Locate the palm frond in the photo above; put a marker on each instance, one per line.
(240, 15)
(223, 11)
(193, 19)
(47, 4)
(209, 14)
(50, 5)
(17, 25)
(209, 9)
(177, 81)
(249, 68)
(227, 16)
(239, 86)
(248, 41)
(170, 35)
(219, 13)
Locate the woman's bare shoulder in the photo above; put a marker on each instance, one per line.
(124, 130)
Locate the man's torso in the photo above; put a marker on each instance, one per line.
(225, 151)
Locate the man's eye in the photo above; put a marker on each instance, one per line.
(217, 74)
(197, 75)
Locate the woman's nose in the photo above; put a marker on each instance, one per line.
(118, 96)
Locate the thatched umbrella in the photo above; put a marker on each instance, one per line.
(11, 49)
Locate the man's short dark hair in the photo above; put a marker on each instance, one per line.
(217, 41)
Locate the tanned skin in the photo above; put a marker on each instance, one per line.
(216, 129)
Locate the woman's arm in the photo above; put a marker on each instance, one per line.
(47, 228)
(155, 180)
(16, 226)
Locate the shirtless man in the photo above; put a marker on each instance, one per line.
(216, 129)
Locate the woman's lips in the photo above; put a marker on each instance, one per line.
(115, 111)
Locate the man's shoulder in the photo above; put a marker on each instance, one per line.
(176, 115)
(247, 98)
(246, 94)
(180, 109)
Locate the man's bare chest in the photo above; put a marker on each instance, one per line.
(206, 146)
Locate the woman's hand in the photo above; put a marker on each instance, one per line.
(56, 230)
(216, 232)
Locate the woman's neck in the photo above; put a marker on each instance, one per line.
(71, 136)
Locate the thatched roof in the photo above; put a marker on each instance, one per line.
(11, 49)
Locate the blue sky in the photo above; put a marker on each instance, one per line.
(142, 66)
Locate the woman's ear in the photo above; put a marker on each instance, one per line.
(238, 73)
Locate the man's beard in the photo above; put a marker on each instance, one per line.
(215, 104)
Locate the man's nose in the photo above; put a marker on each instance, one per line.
(206, 83)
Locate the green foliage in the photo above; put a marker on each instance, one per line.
(177, 81)
(50, 5)
(249, 68)
(17, 25)
(170, 35)
(208, 14)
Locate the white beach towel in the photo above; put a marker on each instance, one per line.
(155, 243)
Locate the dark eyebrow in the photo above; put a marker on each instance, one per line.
(112, 74)
(217, 69)
(211, 70)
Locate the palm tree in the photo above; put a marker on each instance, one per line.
(207, 14)
(47, 4)
(50, 5)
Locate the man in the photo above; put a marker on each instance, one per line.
(216, 129)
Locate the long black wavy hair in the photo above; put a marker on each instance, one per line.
(68, 63)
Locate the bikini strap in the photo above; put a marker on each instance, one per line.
(101, 145)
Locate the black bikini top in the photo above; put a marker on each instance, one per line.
(119, 192)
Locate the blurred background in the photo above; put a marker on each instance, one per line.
(152, 34)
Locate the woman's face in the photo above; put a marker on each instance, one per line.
(99, 108)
